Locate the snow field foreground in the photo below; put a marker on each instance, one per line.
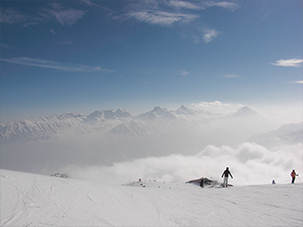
(37, 200)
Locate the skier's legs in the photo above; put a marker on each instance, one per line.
(293, 180)
(225, 182)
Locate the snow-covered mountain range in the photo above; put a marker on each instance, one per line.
(217, 129)
(158, 120)
(47, 127)
(110, 136)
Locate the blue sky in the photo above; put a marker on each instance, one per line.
(81, 56)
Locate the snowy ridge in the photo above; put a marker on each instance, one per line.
(36, 200)
(46, 128)
(103, 115)
(39, 128)
(159, 120)
(158, 114)
(286, 134)
(186, 111)
(245, 111)
(135, 128)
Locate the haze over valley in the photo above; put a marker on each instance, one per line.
(105, 139)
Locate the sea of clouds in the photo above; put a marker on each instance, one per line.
(249, 164)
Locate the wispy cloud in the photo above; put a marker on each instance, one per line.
(65, 16)
(297, 82)
(2, 45)
(218, 107)
(202, 5)
(195, 38)
(88, 2)
(54, 65)
(184, 72)
(170, 11)
(95, 5)
(209, 35)
(184, 4)
(11, 16)
(227, 5)
(62, 15)
(206, 35)
(232, 76)
(67, 42)
(294, 62)
(162, 17)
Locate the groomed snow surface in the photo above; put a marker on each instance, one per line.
(37, 200)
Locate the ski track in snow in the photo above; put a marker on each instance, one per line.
(36, 200)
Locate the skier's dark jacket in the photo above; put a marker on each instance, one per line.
(226, 172)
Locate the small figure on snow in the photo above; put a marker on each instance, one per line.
(293, 175)
(225, 174)
(202, 183)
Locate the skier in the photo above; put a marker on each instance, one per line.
(202, 183)
(293, 175)
(225, 174)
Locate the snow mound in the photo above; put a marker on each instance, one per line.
(62, 175)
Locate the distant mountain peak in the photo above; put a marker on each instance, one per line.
(184, 110)
(121, 110)
(158, 113)
(245, 111)
(122, 113)
(245, 108)
(108, 114)
(157, 108)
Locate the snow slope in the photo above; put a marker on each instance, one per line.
(36, 200)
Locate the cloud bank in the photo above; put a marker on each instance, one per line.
(249, 163)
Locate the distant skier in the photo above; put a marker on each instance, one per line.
(202, 183)
(293, 175)
(225, 174)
